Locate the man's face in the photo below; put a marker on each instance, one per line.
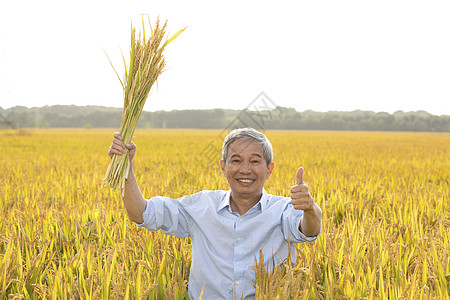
(246, 168)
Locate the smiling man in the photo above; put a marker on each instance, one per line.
(229, 228)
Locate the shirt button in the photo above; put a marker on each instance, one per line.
(237, 282)
(240, 219)
(237, 263)
(239, 239)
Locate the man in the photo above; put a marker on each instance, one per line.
(228, 228)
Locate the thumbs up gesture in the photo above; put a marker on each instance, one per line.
(300, 196)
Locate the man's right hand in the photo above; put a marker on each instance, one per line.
(119, 148)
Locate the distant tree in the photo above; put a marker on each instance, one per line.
(281, 118)
(6, 123)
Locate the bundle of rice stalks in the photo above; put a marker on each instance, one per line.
(145, 65)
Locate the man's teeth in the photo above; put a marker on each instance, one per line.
(245, 180)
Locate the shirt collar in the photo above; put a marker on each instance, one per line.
(264, 200)
(226, 200)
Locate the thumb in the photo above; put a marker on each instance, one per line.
(299, 176)
(130, 146)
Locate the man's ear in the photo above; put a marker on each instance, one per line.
(270, 169)
(222, 166)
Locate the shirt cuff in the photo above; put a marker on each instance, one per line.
(301, 236)
(148, 215)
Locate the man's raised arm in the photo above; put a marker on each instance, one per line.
(133, 199)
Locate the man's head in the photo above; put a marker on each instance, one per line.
(246, 162)
(250, 135)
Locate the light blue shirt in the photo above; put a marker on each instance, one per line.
(225, 244)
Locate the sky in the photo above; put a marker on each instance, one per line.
(329, 55)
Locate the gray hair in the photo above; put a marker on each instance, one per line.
(248, 133)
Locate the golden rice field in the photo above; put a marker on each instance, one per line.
(385, 199)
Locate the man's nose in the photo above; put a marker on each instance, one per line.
(245, 168)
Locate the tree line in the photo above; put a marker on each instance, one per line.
(71, 116)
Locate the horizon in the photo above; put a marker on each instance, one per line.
(231, 109)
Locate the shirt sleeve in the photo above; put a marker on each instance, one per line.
(291, 219)
(166, 214)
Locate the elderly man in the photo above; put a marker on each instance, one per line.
(228, 228)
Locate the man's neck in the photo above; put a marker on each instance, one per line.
(242, 205)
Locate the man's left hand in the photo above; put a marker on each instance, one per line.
(301, 198)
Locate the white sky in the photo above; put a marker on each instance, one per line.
(383, 55)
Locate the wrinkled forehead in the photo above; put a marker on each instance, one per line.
(245, 146)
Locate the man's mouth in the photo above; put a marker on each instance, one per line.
(245, 180)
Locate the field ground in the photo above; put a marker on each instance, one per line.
(385, 198)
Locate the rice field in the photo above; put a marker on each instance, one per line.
(385, 199)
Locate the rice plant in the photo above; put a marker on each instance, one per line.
(385, 199)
